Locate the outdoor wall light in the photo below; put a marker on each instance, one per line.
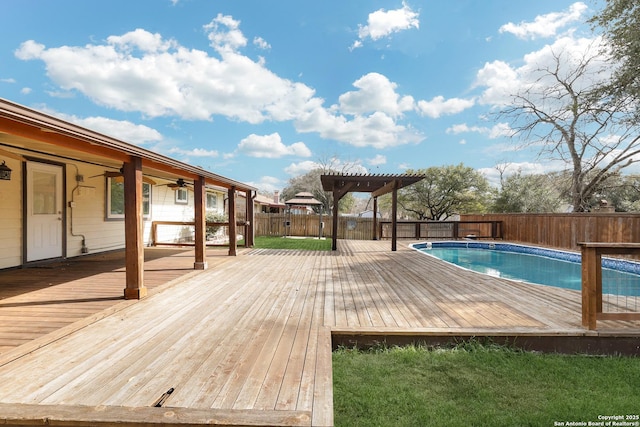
(5, 172)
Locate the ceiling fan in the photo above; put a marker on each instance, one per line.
(180, 183)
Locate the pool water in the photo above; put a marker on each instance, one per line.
(534, 269)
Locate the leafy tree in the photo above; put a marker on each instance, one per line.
(528, 193)
(622, 192)
(445, 191)
(564, 113)
(620, 21)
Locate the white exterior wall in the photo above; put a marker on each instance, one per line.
(164, 208)
(86, 213)
(11, 216)
(87, 216)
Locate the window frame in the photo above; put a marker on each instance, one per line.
(180, 200)
(146, 199)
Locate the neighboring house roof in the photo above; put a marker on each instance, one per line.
(267, 201)
(31, 131)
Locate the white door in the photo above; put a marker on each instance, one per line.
(44, 211)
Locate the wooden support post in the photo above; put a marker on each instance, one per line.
(233, 242)
(394, 217)
(249, 230)
(134, 242)
(334, 232)
(591, 270)
(199, 201)
(375, 218)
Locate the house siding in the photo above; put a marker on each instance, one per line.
(11, 216)
(86, 214)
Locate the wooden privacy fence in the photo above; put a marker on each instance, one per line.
(442, 229)
(566, 230)
(358, 228)
(353, 228)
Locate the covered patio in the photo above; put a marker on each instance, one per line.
(46, 199)
(249, 342)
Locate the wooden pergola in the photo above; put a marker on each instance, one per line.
(377, 185)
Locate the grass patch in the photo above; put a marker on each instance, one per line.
(479, 385)
(310, 244)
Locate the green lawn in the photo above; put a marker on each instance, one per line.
(474, 385)
(310, 243)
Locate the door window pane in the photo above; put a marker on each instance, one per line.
(44, 193)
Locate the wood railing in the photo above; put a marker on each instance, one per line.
(187, 240)
(592, 281)
(442, 229)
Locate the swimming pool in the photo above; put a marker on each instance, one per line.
(535, 265)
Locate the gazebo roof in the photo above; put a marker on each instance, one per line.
(360, 183)
(303, 198)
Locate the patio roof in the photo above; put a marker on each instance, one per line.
(377, 185)
(29, 131)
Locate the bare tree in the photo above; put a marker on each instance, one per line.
(564, 111)
(310, 182)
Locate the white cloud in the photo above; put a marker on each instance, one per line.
(525, 168)
(383, 23)
(375, 93)
(378, 160)
(261, 43)
(143, 72)
(496, 131)
(545, 25)
(271, 146)
(224, 34)
(8, 80)
(268, 184)
(26, 90)
(438, 106)
(123, 130)
(501, 81)
(376, 130)
(295, 169)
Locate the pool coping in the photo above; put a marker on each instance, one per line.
(623, 265)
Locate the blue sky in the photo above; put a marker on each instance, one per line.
(262, 91)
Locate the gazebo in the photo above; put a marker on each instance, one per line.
(377, 185)
(305, 199)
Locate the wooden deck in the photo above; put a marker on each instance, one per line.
(248, 342)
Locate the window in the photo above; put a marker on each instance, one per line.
(115, 198)
(212, 201)
(182, 196)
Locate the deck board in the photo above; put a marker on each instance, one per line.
(252, 334)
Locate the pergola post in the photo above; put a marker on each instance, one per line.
(334, 232)
(201, 224)
(233, 243)
(394, 217)
(249, 230)
(375, 218)
(134, 242)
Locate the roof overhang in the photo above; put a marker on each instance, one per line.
(24, 131)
